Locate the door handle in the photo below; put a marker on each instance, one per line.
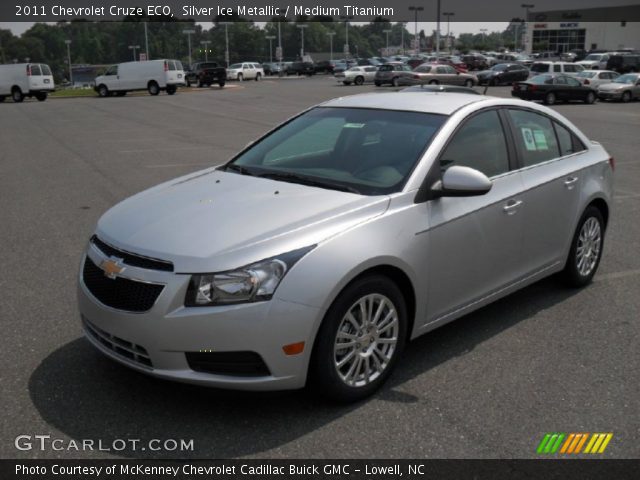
(512, 207)
(570, 182)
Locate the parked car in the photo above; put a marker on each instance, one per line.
(539, 68)
(20, 80)
(624, 63)
(342, 65)
(153, 76)
(310, 259)
(357, 75)
(301, 68)
(573, 55)
(525, 60)
(205, 74)
(434, 74)
(624, 88)
(390, 73)
(271, 68)
(475, 62)
(440, 88)
(595, 78)
(595, 61)
(503, 73)
(455, 62)
(245, 71)
(325, 66)
(552, 88)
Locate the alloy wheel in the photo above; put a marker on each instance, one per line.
(588, 249)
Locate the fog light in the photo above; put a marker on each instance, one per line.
(293, 348)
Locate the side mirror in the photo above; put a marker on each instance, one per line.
(460, 181)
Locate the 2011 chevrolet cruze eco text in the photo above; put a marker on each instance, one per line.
(317, 252)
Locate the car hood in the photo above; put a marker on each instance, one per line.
(216, 221)
(611, 87)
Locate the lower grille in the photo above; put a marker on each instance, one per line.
(122, 348)
(119, 293)
(244, 364)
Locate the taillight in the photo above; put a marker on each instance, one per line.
(587, 82)
(533, 88)
(612, 163)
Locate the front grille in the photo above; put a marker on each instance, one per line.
(122, 348)
(119, 293)
(244, 364)
(131, 258)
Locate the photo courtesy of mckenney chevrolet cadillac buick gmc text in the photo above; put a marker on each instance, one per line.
(316, 253)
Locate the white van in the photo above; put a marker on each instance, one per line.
(152, 75)
(19, 80)
(568, 68)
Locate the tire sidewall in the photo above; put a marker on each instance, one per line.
(572, 275)
(322, 372)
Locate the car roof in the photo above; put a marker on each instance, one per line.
(408, 101)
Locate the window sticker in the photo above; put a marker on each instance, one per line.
(353, 125)
(541, 140)
(529, 142)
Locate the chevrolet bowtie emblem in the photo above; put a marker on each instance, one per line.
(112, 267)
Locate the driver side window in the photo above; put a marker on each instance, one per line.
(478, 144)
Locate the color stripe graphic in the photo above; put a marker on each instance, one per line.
(573, 443)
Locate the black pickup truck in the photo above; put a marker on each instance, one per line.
(205, 74)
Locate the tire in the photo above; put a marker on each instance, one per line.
(434, 82)
(103, 91)
(188, 83)
(171, 89)
(221, 84)
(586, 248)
(590, 98)
(394, 82)
(359, 80)
(493, 82)
(41, 96)
(2, 98)
(199, 84)
(348, 382)
(550, 98)
(626, 97)
(258, 76)
(17, 95)
(153, 88)
(240, 77)
(346, 83)
(468, 83)
(377, 84)
(121, 94)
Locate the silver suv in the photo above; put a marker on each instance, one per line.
(540, 68)
(315, 254)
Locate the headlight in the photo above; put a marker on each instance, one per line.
(253, 283)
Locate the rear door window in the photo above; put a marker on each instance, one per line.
(171, 65)
(45, 69)
(535, 137)
(36, 71)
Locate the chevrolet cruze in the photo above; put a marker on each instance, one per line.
(318, 251)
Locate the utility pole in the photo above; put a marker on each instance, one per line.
(416, 41)
(206, 49)
(330, 35)
(270, 38)
(146, 41)
(188, 33)
(402, 25)
(226, 41)
(346, 35)
(302, 27)
(134, 48)
(387, 32)
(526, 7)
(449, 43)
(68, 42)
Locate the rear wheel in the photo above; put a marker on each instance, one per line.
(550, 98)
(222, 84)
(240, 77)
(586, 248)
(171, 89)
(394, 81)
(377, 84)
(103, 91)
(41, 96)
(590, 98)
(153, 88)
(626, 97)
(17, 95)
(188, 82)
(433, 82)
(359, 80)
(360, 340)
(468, 83)
(346, 83)
(258, 77)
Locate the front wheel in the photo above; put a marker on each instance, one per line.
(221, 84)
(377, 84)
(591, 98)
(41, 96)
(360, 340)
(433, 82)
(258, 77)
(153, 88)
(103, 91)
(468, 83)
(359, 80)
(346, 83)
(586, 248)
(626, 97)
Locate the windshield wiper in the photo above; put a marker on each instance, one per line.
(238, 168)
(293, 178)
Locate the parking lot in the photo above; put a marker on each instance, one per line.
(490, 385)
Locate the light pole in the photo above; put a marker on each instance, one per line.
(346, 35)
(402, 25)
(526, 7)
(387, 32)
(330, 35)
(226, 41)
(188, 33)
(68, 42)
(206, 49)
(270, 38)
(146, 41)
(449, 43)
(279, 50)
(483, 31)
(302, 27)
(415, 10)
(134, 48)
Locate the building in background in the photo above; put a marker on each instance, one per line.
(607, 28)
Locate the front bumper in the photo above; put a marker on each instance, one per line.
(609, 95)
(156, 342)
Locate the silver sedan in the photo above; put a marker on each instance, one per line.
(320, 250)
(435, 74)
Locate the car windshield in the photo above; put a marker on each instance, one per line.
(236, 65)
(365, 151)
(541, 79)
(586, 74)
(626, 79)
(593, 57)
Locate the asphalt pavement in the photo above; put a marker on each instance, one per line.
(490, 385)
